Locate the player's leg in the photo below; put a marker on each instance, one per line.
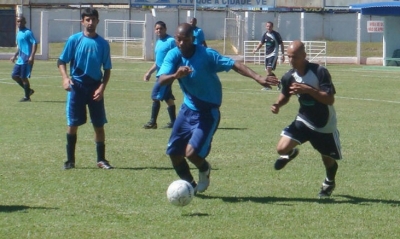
(200, 144)
(25, 75)
(177, 143)
(292, 136)
(328, 145)
(98, 117)
(165, 94)
(15, 75)
(155, 107)
(76, 116)
(171, 112)
(268, 68)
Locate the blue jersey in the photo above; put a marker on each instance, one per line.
(25, 41)
(87, 56)
(198, 36)
(162, 48)
(202, 88)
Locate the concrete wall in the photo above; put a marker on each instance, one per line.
(318, 26)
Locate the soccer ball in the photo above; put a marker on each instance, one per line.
(180, 193)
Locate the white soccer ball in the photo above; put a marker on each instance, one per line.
(180, 193)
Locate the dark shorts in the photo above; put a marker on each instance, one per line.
(22, 71)
(162, 92)
(270, 62)
(77, 99)
(327, 144)
(194, 128)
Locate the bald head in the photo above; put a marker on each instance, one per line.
(296, 46)
(297, 55)
(185, 30)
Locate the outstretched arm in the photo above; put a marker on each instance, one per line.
(266, 81)
(281, 101)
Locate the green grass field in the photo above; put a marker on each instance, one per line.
(247, 198)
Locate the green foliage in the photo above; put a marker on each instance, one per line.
(247, 198)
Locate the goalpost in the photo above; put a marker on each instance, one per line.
(127, 38)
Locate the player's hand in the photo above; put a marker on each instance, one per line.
(183, 71)
(146, 77)
(275, 108)
(31, 60)
(12, 59)
(298, 88)
(268, 81)
(98, 95)
(67, 82)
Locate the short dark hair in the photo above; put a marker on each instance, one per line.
(89, 12)
(271, 23)
(161, 23)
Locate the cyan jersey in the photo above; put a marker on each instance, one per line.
(198, 36)
(25, 41)
(87, 56)
(202, 89)
(162, 48)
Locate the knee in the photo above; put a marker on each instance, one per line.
(190, 152)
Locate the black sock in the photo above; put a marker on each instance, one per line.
(27, 89)
(20, 84)
(101, 151)
(155, 109)
(183, 171)
(331, 172)
(71, 142)
(204, 167)
(172, 113)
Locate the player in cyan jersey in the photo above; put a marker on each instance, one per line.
(87, 53)
(26, 50)
(159, 93)
(196, 68)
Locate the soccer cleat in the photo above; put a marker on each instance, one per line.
(69, 165)
(281, 162)
(25, 99)
(150, 125)
(204, 180)
(326, 189)
(194, 185)
(265, 88)
(31, 92)
(104, 164)
(169, 125)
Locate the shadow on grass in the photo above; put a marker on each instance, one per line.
(227, 128)
(49, 101)
(196, 214)
(132, 168)
(14, 208)
(335, 199)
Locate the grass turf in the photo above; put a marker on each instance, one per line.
(247, 198)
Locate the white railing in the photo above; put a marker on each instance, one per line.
(316, 52)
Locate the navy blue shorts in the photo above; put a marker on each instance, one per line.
(78, 97)
(22, 71)
(270, 62)
(162, 92)
(327, 144)
(194, 128)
